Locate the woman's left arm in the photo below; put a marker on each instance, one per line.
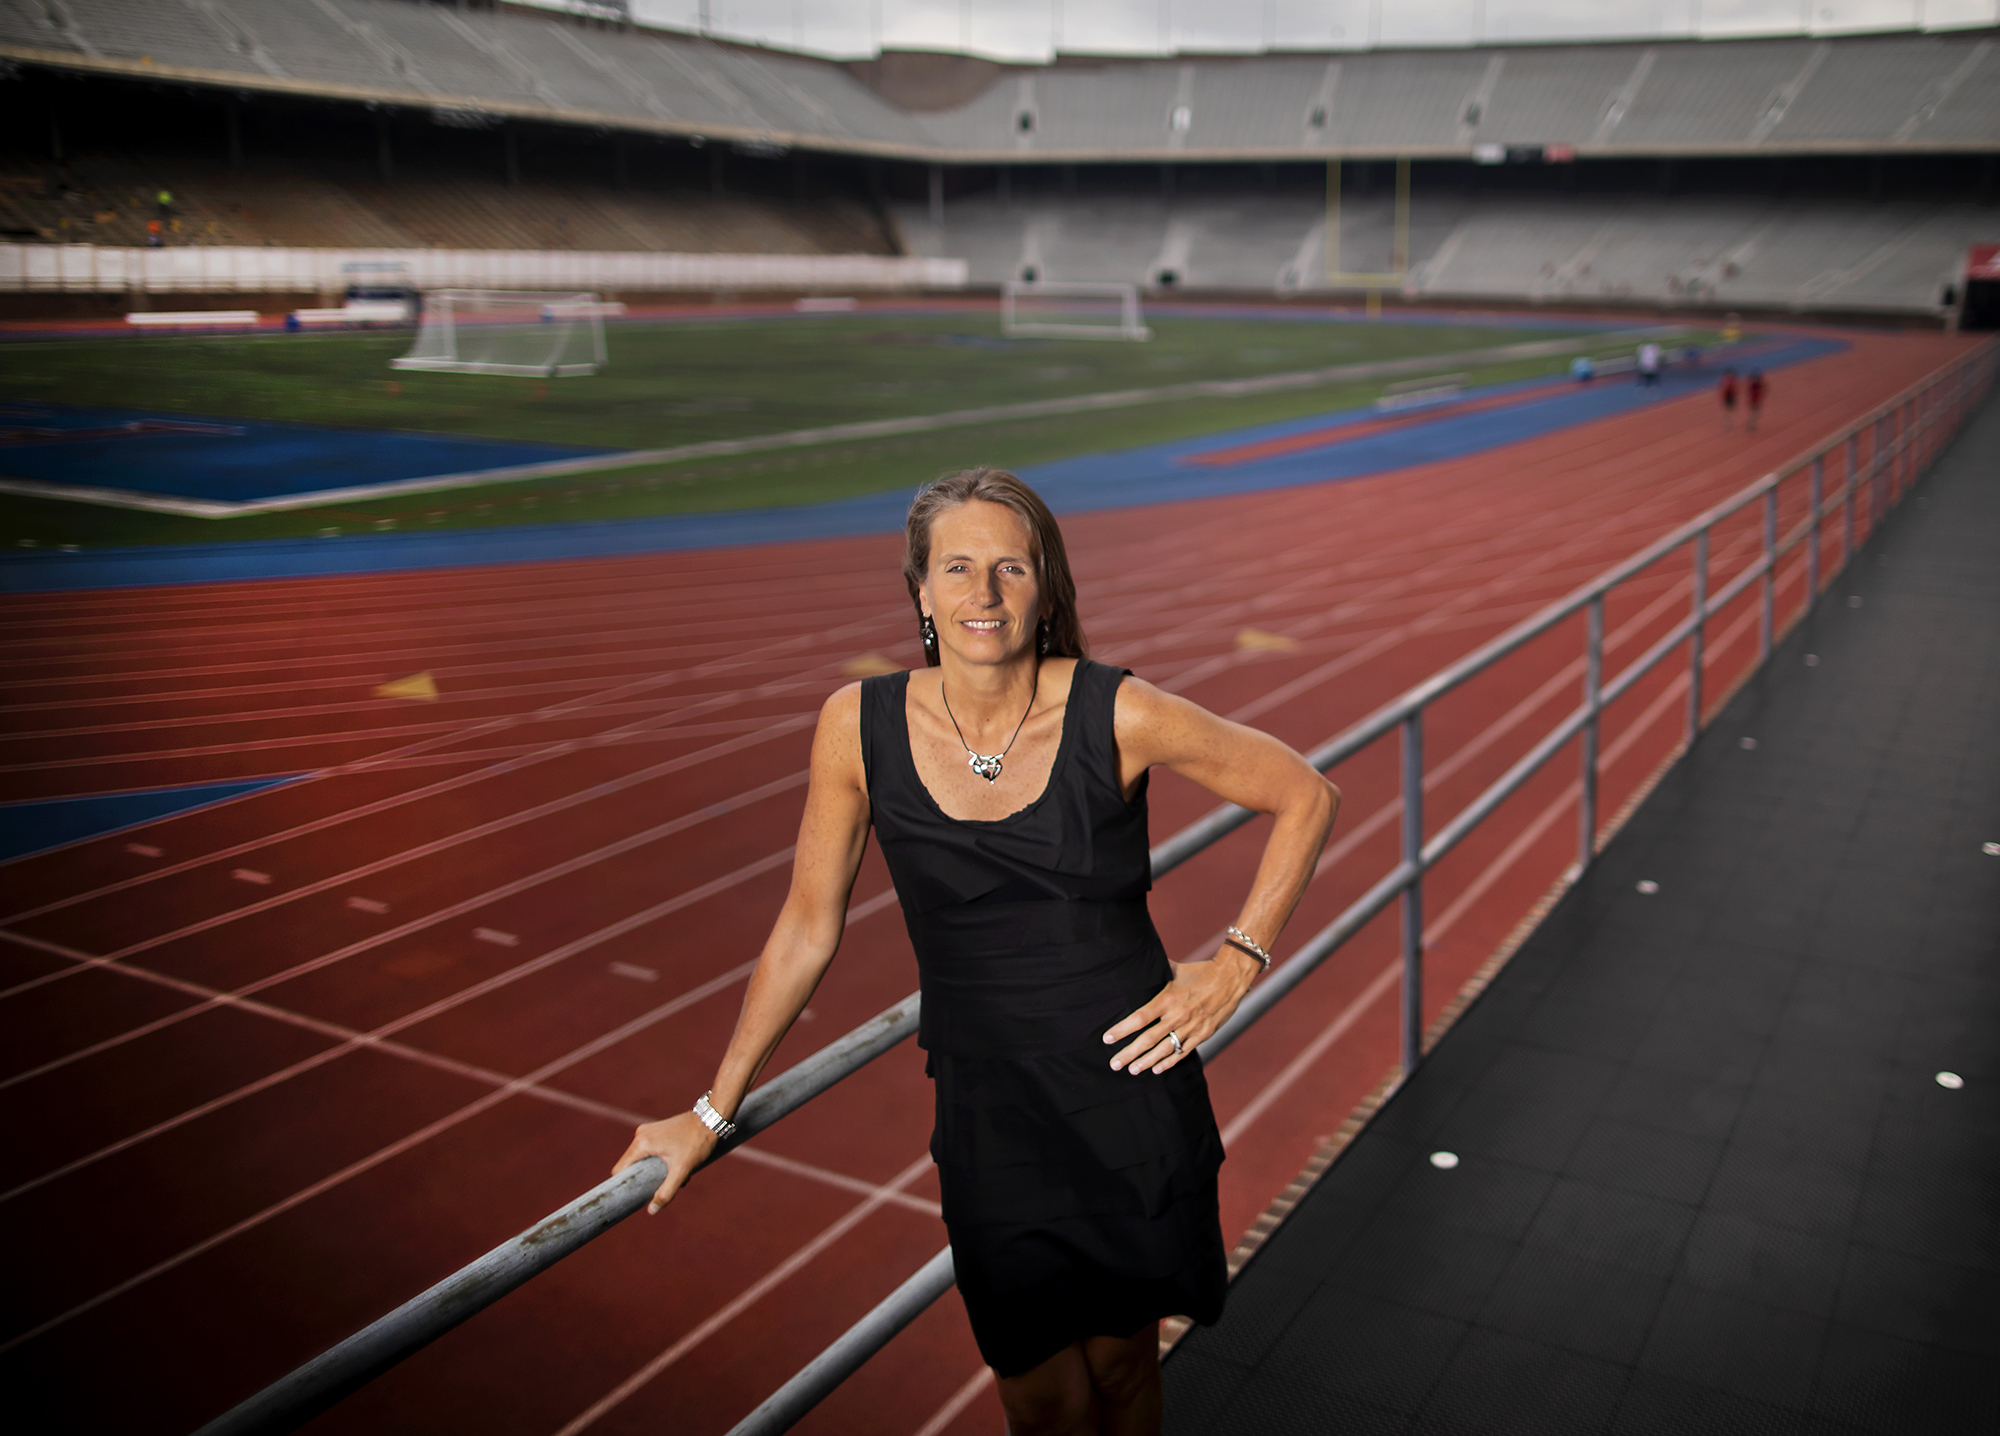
(1258, 772)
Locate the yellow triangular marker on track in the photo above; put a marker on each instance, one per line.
(1258, 641)
(418, 685)
(867, 665)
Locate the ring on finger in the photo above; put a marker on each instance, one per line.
(1174, 1038)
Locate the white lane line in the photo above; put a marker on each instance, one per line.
(496, 937)
(501, 979)
(742, 1302)
(635, 972)
(415, 1139)
(1391, 976)
(251, 875)
(362, 904)
(572, 708)
(350, 1039)
(144, 850)
(498, 825)
(964, 1397)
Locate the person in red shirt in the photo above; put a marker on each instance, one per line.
(1753, 394)
(1728, 394)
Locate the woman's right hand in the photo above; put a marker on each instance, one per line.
(682, 1142)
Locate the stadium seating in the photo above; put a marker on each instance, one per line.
(1633, 98)
(1707, 252)
(108, 199)
(1734, 99)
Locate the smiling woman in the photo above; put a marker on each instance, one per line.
(1006, 782)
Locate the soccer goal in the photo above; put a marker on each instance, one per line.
(1072, 309)
(508, 331)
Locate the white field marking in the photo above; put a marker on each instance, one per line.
(1591, 536)
(1391, 975)
(257, 716)
(251, 875)
(1498, 550)
(362, 904)
(862, 429)
(599, 652)
(1314, 677)
(641, 615)
(377, 1040)
(573, 707)
(741, 1302)
(496, 825)
(756, 1156)
(377, 1158)
(556, 954)
(455, 600)
(962, 1398)
(144, 850)
(1290, 1073)
(634, 971)
(496, 937)
(348, 1041)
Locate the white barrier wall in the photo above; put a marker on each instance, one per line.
(103, 269)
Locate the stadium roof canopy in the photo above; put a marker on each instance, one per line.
(1863, 94)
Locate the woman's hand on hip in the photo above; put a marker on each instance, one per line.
(1191, 1007)
(682, 1142)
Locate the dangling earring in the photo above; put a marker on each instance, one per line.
(1042, 636)
(929, 632)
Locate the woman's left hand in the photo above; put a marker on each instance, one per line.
(1192, 1007)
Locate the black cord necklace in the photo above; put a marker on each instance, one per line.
(985, 765)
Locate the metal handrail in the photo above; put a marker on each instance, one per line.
(312, 1388)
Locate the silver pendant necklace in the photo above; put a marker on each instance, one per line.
(987, 765)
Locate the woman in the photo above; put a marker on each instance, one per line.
(1006, 782)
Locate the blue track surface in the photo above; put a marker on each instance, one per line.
(30, 827)
(231, 460)
(1152, 474)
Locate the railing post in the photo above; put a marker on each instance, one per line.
(1847, 498)
(1767, 614)
(1696, 639)
(1413, 892)
(1593, 703)
(1818, 483)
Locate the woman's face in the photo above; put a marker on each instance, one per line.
(981, 591)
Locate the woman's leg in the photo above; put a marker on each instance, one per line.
(1125, 1373)
(1055, 1398)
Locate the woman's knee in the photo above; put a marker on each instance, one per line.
(1127, 1369)
(1055, 1398)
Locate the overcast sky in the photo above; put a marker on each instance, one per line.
(1032, 29)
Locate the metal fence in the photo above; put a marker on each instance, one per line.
(1880, 454)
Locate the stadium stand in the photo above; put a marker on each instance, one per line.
(1083, 169)
(1856, 93)
(1708, 251)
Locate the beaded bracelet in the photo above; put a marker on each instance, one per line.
(1243, 942)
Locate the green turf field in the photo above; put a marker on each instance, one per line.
(689, 382)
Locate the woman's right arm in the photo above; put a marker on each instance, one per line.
(802, 943)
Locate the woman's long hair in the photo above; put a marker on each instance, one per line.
(1052, 576)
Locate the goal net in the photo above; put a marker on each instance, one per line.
(508, 331)
(1066, 309)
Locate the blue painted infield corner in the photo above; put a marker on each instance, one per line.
(32, 827)
(1490, 418)
(193, 456)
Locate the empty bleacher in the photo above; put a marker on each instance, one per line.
(1704, 251)
(109, 199)
(1626, 98)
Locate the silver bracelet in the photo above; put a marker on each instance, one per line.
(1243, 942)
(712, 1119)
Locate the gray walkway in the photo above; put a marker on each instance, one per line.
(1709, 1182)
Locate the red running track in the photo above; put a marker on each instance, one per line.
(273, 1066)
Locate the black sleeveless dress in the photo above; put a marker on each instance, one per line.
(1080, 1201)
